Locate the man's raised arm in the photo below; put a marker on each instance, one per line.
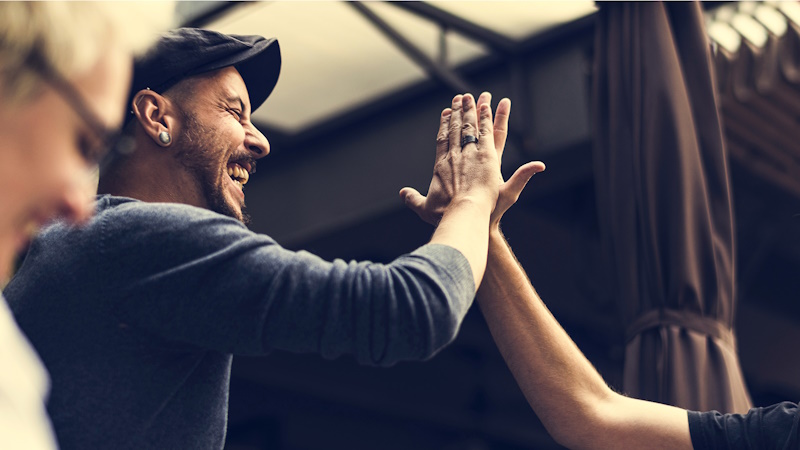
(573, 401)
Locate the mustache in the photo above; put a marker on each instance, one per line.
(246, 161)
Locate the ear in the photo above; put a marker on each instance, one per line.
(155, 114)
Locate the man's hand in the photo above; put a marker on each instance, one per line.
(465, 185)
(492, 135)
(459, 173)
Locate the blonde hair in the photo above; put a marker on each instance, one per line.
(71, 37)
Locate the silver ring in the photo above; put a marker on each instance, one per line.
(468, 139)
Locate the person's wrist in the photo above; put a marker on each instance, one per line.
(494, 219)
(480, 201)
(494, 230)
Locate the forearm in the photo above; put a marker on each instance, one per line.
(381, 314)
(566, 392)
(464, 227)
(557, 380)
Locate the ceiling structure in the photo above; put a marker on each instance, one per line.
(336, 59)
(352, 120)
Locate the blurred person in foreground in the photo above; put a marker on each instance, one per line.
(165, 284)
(569, 396)
(65, 68)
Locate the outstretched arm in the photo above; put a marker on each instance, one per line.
(573, 402)
(571, 399)
(566, 392)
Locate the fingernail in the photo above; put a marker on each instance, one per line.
(447, 112)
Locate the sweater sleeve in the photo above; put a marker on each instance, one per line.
(196, 277)
(772, 427)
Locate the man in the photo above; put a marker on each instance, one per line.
(573, 402)
(64, 74)
(138, 312)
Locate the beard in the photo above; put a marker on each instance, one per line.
(199, 149)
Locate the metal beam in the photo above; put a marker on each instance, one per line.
(434, 69)
(445, 19)
(580, 30)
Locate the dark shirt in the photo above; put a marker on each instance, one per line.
(773, 427)
(136, 316)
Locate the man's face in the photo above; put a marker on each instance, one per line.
(218, 144)
(44, 145)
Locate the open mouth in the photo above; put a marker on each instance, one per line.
(238, 174)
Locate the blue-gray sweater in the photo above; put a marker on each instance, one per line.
(137, 314)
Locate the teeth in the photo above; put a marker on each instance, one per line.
(238, 174)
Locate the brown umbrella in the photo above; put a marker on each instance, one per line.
(665, 204)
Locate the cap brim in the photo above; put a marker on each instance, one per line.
(260, 70)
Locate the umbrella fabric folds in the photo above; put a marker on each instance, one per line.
(664, 204)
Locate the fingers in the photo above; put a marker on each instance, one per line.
(500, 120)
(417, 202)
(501, 125)
(485, 98)
(511, 189)
(455, 123)
(486, 129)
(413, 199)
(442, 137)
(517, 182)
(469, 126)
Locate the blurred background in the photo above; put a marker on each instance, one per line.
(353, 119)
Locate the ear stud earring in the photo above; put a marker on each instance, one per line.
(164, 137)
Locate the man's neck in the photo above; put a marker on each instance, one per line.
(152, 181)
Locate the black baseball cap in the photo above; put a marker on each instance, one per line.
(185, 52)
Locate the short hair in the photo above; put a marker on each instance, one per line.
(71, 37)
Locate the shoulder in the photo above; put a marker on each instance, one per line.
(118, 218)
(127, 224)
(124, 212)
